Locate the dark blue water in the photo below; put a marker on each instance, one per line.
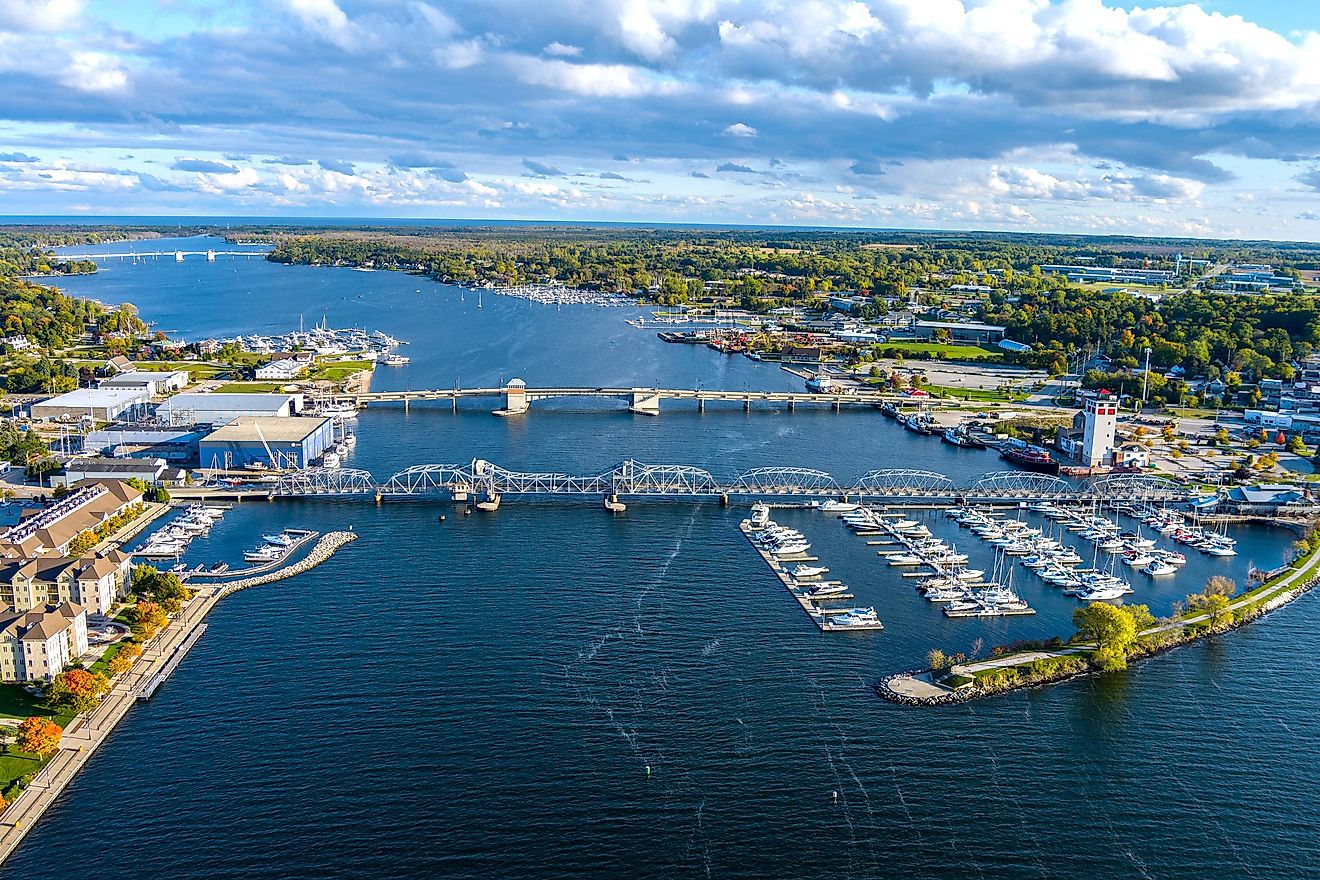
(480, 697)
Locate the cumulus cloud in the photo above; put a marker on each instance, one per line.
(17, 157)
(997, 109)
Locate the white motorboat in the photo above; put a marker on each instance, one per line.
(1159, 569)
(860, 618)
(330, 460)
(263, 554)
(760, 517)
(825, 591)
(793, 548)
(803, 572)
(1102, 593)
(833, 506)
(280, 540)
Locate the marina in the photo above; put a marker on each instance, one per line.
(776, 545)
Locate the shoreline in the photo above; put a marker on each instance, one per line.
(918, 687)
(87, 732)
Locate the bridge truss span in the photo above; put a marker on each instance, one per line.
(785, 481)
(906, 482)
(326, 481)
(635, 478)
(1020, 484)
(430, 479)
(1134, 487)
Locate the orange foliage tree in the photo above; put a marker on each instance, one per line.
(39, 736)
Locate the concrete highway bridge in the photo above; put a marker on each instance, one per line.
(518, 398)
(486, 484)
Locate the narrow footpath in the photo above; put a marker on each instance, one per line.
(921, 688)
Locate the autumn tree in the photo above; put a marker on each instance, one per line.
(39, 736)
(146, 619)
(76, 690)
(82, 542)
(119, 664)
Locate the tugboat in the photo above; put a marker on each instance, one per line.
(1032, 458)
(962, 438)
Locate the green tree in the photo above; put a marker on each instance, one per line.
(1113, 629)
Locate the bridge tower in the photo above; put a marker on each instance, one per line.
(645, 401)
(515, 399)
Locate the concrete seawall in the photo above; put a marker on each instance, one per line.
(87, 732)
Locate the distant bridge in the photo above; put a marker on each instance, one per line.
(518, 398)
(177, 255)
(483, 481)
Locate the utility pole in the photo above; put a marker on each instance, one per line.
(1145, 380)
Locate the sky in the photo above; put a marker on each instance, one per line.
(1043, 115)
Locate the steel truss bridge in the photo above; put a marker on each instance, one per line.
(637, 481)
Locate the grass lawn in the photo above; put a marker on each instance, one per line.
(987, 394)
(949, 351)
(249, 387)
(16, 765)
(101, 664)
(15, 702)
(338, 371)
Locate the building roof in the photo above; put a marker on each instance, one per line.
(245, 430)
(39, 624)
(956, 325)
(227, 402)
(133, 376)
(95, 397)
(123, 468)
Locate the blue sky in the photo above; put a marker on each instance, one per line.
(1069, 115)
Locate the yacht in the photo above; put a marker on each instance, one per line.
(263, 554)
(760, 517)
(1102, 593)
(809, 571)
(833, 506)
(395, 360)
(792, 548)
(855, 617)
(280, 540)
(825, 591)
(330, 460)
(1159, 569)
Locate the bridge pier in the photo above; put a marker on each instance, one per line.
(747, 405)
(701, 405)
(791, 406)
(614, 505)
(645, 403)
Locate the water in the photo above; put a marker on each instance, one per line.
(480, 697)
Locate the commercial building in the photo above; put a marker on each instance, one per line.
(1100, 415)
(175, 445)
(49, 530)
(152, 470)
(100, 404)
(958, 331)
(152, 383)
(37, 645)
(1108, 273)
(270, 441)
(195, 408)
(1268, 500)
(282, 369)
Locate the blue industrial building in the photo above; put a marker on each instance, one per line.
(274, 442)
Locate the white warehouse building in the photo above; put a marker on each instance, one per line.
(100, 404)
(221, 409)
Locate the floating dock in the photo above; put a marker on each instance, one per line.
(819, 616)
(145, 692)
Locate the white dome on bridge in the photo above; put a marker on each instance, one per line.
(516, 383)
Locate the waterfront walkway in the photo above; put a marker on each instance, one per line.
(87, 732)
